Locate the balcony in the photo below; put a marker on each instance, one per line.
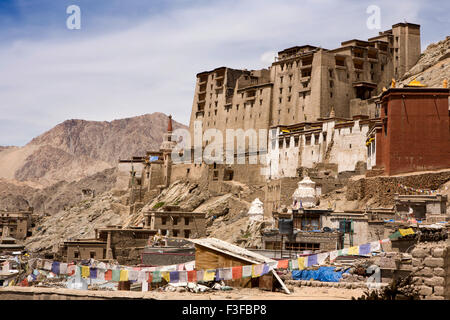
(199, 114)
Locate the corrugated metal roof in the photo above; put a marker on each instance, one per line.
(232, 250)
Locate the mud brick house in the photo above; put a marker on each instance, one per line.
(177, 223)
(123, 245)
(429, 207)
(19, 223)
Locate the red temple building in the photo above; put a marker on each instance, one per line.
(414, 133)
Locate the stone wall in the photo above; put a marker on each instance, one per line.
(431, 267)
(381, 190)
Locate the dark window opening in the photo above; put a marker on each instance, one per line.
(345, 226)
(308, 140)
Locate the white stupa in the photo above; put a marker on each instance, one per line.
(305, 194)
(256, 211)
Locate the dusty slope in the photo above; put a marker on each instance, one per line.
(76, 148)
(227, 214)
(49, 200)
(433, 66)
(78, 221)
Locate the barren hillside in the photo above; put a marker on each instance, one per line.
(433, 66)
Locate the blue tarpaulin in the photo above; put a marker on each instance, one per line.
(326, 274)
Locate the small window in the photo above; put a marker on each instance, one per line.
(92, 254)
(308, 140)
(316, 139)
(163, 221)
(175, 221)
(186, 221)
(187, 233)
(76, 254)
(175, 233)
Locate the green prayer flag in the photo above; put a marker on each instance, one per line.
(116, 275)
(156, 276)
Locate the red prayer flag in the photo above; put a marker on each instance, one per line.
(150, 277)
(283, 264)
(72, 271)
(108, 275)
(237, 272)
(192, 276)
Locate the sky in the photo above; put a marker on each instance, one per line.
(139, 56)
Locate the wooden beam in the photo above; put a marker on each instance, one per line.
(286, 290)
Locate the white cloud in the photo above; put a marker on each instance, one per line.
(151, 67)
(268, 57)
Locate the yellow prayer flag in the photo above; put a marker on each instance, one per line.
(123, 275)
(85, 272)
(209, 275)
(353, 250)
(301, 263)
(166, 276)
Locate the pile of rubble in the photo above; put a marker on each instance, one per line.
(194, 287)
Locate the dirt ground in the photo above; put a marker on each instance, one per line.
(297, 293)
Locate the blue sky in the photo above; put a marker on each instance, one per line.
(135, 57)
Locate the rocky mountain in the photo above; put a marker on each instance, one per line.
(433, 65)
(76, 149)
(49, 200)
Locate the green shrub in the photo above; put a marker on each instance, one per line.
(158, 205)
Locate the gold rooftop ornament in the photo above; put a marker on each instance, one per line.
(393, 83)
(445, 83)
(415, 83)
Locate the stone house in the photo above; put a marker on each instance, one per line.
(18, 223)
(176, 223)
